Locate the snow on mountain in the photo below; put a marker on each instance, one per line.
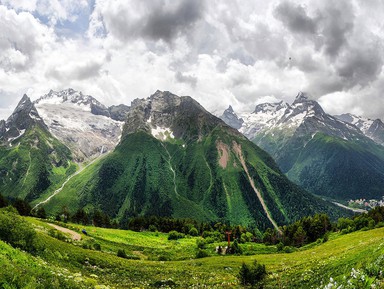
(303, 112)
(373, 129)
(79, 121)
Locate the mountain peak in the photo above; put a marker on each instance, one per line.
(301, 96)
(23, 117)
(230, 117)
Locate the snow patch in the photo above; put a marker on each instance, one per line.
(162, 133)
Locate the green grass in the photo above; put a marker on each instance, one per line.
(63, 262)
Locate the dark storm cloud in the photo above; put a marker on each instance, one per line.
(295, 18)
(360, 66)
(166, 25)
(153, 20)
(191, 80)
(337, 21)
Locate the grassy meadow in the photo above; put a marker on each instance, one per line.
(153, 261)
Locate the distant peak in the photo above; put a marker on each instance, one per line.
(302, 96)
(230, 109)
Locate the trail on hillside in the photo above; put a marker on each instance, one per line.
(237, 149)
(74, 235)
(68, 179)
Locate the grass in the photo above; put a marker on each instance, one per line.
(69, 264)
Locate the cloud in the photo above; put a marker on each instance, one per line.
(155, 20)
(180, 77)
(295, 18)
(22, 37)
(220, 52)
(337, 22)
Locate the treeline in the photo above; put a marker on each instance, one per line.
(302, 232)
(317, 228)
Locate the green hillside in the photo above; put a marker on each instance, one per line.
(204, 180)
(34, 164)
(153, 261)
(348, 169)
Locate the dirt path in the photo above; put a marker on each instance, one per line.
(74, 235)
(239, 153)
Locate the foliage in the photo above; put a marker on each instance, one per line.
(253, 274)
(174, 235)
(16, 231)
(121, 253)
(201, 253)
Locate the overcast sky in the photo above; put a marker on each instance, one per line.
(219, 52)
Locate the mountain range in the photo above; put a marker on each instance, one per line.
(164, 155)
(339, 157)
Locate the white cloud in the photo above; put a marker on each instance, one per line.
(219, 52)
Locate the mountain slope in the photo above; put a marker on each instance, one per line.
(32, 161)
(325, 155)
(176, 159)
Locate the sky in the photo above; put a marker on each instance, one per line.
(221, 53)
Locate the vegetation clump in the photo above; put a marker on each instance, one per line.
(253, 275)
(16, 231)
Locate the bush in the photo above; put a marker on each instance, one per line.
(152, 228)
(16, 231)
(201, 243)
(97, 247)
(174, 235)
(201, 253)
(193, 232)
(57, 234)
(121, 253)
(235, 248)
(253, 275)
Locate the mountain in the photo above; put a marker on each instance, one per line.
(325, 155)
(373, 129)
(230, 118)
(176, 159)
(32, 160)
(81, 122)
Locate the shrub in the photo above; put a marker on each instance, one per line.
(16, 231)
(57, 234)
(201, 253)
(97, 247)
(235, 248)
(152, 228)
(253, 275)
(201, 243)
(193, 232)
(174, 235)
(121, 253)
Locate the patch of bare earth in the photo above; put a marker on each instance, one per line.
(223, 153)
(239, 153)
(74, 235)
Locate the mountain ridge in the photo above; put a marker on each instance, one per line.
(310, 146)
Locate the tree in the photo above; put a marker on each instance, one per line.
(3, 201)
(22, 207)
(253, 274)
(300, 237)
(40, 213)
